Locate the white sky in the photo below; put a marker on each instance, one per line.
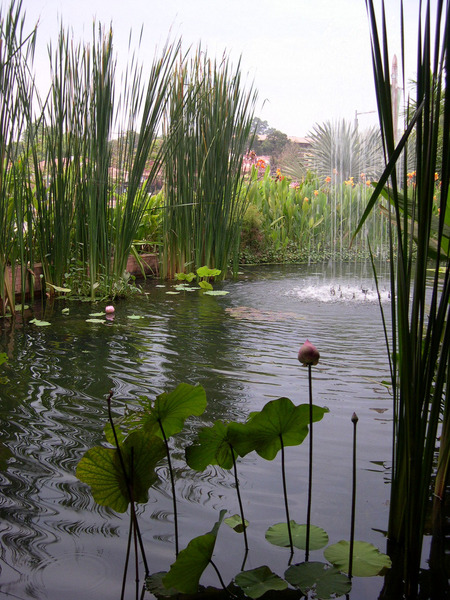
(309, 59)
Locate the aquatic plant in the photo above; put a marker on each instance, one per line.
(202, 179)
(16, 95)
(121, 473)
(419, 336)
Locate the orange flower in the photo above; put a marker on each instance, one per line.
(368, 182)
(328, 179)
(436, 176)
(316, 192)
(363, 175)
(305, 199)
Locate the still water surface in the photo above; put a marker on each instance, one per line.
(57, 543)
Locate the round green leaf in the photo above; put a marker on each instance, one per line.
(367, 559)
(216, 293)
(171, 409)
(278, 535)
(264, 430)
(212, 447)
(326, 581)
(39, 323)
(205, 285)
(257, 582)
(235, 522)
(101, 469)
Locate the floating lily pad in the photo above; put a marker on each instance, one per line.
(367, 559)
(235, 522)
(173, 293)
(185, 572)
(97, 314)
(160, 286)
(324, 580)
(207, 272)
(39, 323)
(65, 311)
(257, 582)
(136, 317)
(279, 536)
(216, 293)
(95, 321)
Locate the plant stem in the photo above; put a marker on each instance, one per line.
(241, 508)
(352, 527)
(285, 496)
(128, 484)
(172, 482)
(127, 558)
(308, 511)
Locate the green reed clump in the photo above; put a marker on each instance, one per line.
(16, 92)
(419, 337)
(203, 181)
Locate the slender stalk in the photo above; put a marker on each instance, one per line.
(352, 520)
(128, 484)
(127, 558)
(172, 482)
(308, 511)
(241, 508)
(286, 506)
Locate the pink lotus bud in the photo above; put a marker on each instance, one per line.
(308, 354)
(109, 309)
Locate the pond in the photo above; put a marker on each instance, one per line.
(242, 348)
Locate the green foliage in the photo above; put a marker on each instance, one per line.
(236, 523)
(103, 470)
(204, 206)
(325, 581)
(279, 422)
(279, 536)
(213, 447)
(418, 340)
(170, 410)
(257, 582)
(296, 221)
(185, 573)
(122, 475)
(367, 560)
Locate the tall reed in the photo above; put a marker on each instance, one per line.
(203, 178)
(16, 92)
(419, 338)
(84, 220)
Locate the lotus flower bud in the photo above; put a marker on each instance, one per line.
(109, 309)
(308, 354)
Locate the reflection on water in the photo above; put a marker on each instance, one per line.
(55, 542)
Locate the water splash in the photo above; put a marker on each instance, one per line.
(340, 292)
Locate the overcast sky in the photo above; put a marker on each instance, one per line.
(309, 59)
